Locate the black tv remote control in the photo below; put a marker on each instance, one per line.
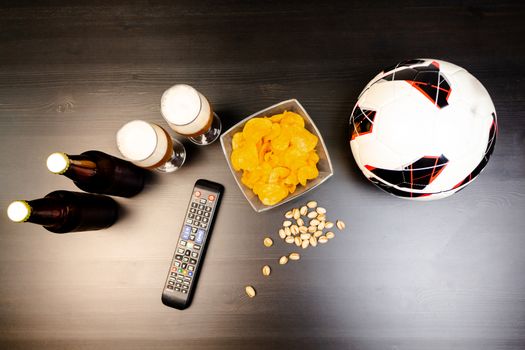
(191, 245)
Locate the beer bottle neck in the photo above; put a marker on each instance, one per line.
(43, 211)
(76, 167)
(81, 167)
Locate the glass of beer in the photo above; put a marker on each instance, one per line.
(189, 113)
(149, 146)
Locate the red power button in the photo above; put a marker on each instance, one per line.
(211, 197)
(197, 194)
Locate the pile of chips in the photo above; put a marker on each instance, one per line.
(275, 155)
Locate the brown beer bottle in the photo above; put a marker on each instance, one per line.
(65, 211)
(98, 172)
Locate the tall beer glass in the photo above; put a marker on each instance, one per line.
(190, 114)
(149, 146)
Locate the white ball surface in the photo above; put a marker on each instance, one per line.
(423, 129)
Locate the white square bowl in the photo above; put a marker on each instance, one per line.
(324, 165)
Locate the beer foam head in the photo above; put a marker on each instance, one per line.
(57, 163)
(18, 211)
(136, 140)
(180, 104)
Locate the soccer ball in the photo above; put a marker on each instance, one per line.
(423, 129)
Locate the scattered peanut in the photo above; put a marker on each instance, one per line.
(250, 291)
(311, 204)
(302, 235)
(294, 256)
(266, 270)
(303, 210)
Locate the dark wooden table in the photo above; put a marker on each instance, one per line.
(406, 275)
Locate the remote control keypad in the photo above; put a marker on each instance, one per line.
(189, 245)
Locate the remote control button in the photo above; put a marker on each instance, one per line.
(178, 257)
(186, 230)
(184, 291)
(191, 268)
(189, 245)
(201, 207)
(203, 201)
(183, 266)
(197, 247)
(198, 217)
(192, 237)
(185, 259)
(177, 289)
(176, 263)
(194, 255)
(208, 208)
(171, 283)
(193, 210)
(191, 216)
(204, 225)
(187, 252)
(190, 273)
(207, 214)
(194, 205)
(205, 220)
(178, 285)
(199, 212)
(189, 221)
(173, 274)
(179, 279)
(197, 193)
(185, 283)
(182, 243)
(187, 279)
(180, 250)
(193, 229)
(211, 197)
(170, 287)
(193, 261)
(200, 236)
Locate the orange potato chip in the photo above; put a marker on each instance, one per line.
(281, 142)
(258, 187)
(291, 118)
(277, 174)
(265, 148)
(277, 118)
(274, 133)
(307, 173)
(270, 194)
(245, 158)
(304, 140)
(237, 140)
(256, 128)
(313, 157)
(275, 155)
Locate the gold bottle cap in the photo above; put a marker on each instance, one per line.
(58, 163)
(19, 211)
